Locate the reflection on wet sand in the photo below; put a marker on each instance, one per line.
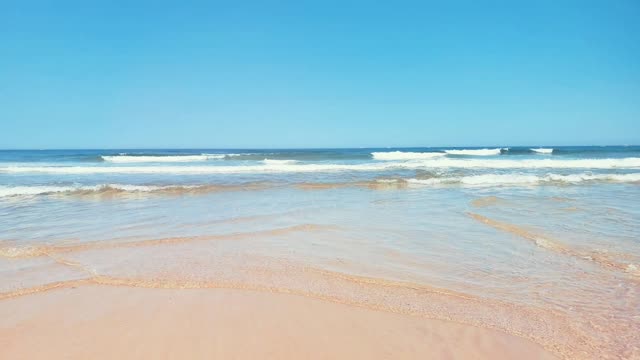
(194, 324)
(554, 330)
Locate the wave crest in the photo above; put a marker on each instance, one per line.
(124, 158)
(513, 179)
(123, 189)
(401, 155)
(542, 151)
(278, 162)
(475, 152)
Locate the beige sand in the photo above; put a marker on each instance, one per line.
(93, 322)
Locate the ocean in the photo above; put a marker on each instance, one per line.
(541, 242)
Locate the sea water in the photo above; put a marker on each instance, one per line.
(543, 242)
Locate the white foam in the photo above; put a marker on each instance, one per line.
(400, 155)
(436, 163)
(224, 156)
(388, 181)
(576, 178)
(168, 158)
(548, 163)
(168, 169)
(500, 179)
(542, 151)
(32, 190)
(132, 188)
(278, 162)
(479, 180)
(42, 190)
(524, 179)
(513, 179)
(475, 152)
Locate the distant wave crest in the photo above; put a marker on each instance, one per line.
(475, 152)
(278, 162)
(542, 151)
(124, 158)
(401, 155)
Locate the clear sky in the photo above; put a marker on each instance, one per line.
(110, 74)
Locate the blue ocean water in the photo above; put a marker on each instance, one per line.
(550, 233)
(21, 172)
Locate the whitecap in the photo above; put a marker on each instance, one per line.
(542, 151)
(401, 155)
(278, 162)
(475, 152)
(161, 158)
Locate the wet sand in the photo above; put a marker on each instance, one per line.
(101, 322)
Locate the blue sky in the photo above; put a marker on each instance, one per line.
(108, 74)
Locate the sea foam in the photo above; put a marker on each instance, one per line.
(475, 152)
(509, 179)
(163, 158)
(53, 189)
(542, 151)
(435, 163)
(278, 162)
(524, 179)
(401, 155)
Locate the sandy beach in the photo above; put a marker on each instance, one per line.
(108, 322)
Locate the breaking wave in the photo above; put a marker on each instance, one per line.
(125, 158)
(435, 163)
(44, 190)
(476, 152)
(278, 162)
(401, 155)
(472, 180)
(542, 151)
(124, 189)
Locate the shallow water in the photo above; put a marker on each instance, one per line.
(545, 246)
